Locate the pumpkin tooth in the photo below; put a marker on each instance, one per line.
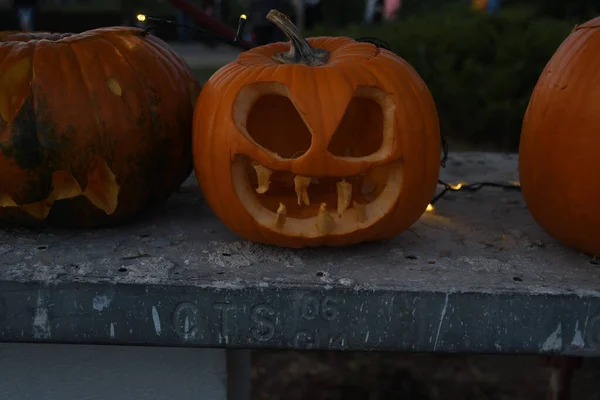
(39, 209)
(6, 201)
(361, 211)
(102, 188)
(325, 223)
(263, 175)
(301, 186)
(344, 196)
(64, 185)
(281, 216)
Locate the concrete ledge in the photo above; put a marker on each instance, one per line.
(477, 275)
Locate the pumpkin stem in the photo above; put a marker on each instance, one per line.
(301, 52)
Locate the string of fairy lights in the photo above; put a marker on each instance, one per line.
(152, 22)
(469, 187)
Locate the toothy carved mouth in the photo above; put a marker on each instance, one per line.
(316, 206)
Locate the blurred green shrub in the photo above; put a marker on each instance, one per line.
(578, 9)
(342, 12)
(480, 68)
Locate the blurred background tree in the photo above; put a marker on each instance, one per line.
(480, 67)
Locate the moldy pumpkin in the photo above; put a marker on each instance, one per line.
(93, 126)
(560, 143)
(324, 141)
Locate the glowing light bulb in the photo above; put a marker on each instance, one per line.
(240, 29)
(457, 186)
(141, 17)
(429, 207)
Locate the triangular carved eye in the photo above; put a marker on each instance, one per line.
(361, 131)
(274, 123)
(264, 114)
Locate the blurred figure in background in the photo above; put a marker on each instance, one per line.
(487, 6)
(373, 11)
(479, 5)
(379, 10)
(25, 13)
(493, 6)
(391, 8)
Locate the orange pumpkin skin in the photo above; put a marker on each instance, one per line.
(560, 143)
(94, 127)
(320, 96)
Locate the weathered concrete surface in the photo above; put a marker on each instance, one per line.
(474, 241)
(476, 275)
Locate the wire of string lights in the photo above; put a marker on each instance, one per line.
(152, 22)
(236, 42)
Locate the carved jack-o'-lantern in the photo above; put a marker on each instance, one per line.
(333, 142)
(94, 126)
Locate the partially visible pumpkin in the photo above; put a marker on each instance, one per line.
(325, 142)
(560, 143)
(94, 127)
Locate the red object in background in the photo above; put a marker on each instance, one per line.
(206, 22)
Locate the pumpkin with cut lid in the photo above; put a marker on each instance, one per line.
(94, 127)
(324, 141)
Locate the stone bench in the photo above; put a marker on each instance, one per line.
(185, 299)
